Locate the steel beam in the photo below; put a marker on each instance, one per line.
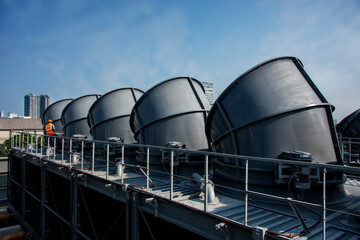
(135, 216)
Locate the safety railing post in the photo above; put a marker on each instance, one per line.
(206, 182)
(324, 204)
(70, 155)
(93, 158)
(48, 146)
(349, 149)
(62, 150)
(147, 167)
(11, 140)
(36, 144)
(171, 174)
(246, 190)
(23, 140)
(342, 148)
(31, 143)
(82, 155)
(122, 163)
(54, 153)
(107, 161)
(27, 142)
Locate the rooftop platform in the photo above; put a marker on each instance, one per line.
(65, 187)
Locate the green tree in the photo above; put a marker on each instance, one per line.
(5, 148)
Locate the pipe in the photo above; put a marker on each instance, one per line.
(200, 182)
(10, 236)
(11, 232)
(4, 214)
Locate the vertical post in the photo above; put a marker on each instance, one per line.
(16, 140)
(349, 149)
(41, 143)
(62, 150)
(82, 155)
(93, 158)
(23, 140)
(107, 161)
(128, 215)
(206, 182)
(11, 139)
(31, 143)
(324, 204)
(171, 174)
(246, 190)
(27, 142)
(135, 223)
(42, 203)
(122, 163)
(36, 143)
(23, 187)
(74, 203)
(342, 148)
(54, 148)
(70, 159)
(48, 146)
(147, 167)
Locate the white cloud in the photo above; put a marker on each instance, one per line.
(325, 36)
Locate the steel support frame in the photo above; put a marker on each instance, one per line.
(44, 208)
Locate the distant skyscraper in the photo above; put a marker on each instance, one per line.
(2, 114)
(44, 103)
(35, 105)
(209, 91)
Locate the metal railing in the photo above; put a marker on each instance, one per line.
(350, 149)
(39, 144)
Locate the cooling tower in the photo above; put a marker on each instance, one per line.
(273, 110)
(74, 116)
(172, 113)
(109, 115)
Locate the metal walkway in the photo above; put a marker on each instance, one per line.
(170, 198)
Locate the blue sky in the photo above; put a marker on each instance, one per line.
(68, 49)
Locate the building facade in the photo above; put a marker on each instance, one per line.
(35, 105)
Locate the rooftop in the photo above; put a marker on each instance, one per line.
(20, 123)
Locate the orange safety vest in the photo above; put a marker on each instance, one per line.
(49, 129)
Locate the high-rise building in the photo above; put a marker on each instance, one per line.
(44, 103)
(35, 105)
(209, 91)
(2, 113)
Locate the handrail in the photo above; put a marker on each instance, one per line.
(18, 142)
(214, 154)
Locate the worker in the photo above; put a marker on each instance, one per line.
(49, 128)
(50, 131)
